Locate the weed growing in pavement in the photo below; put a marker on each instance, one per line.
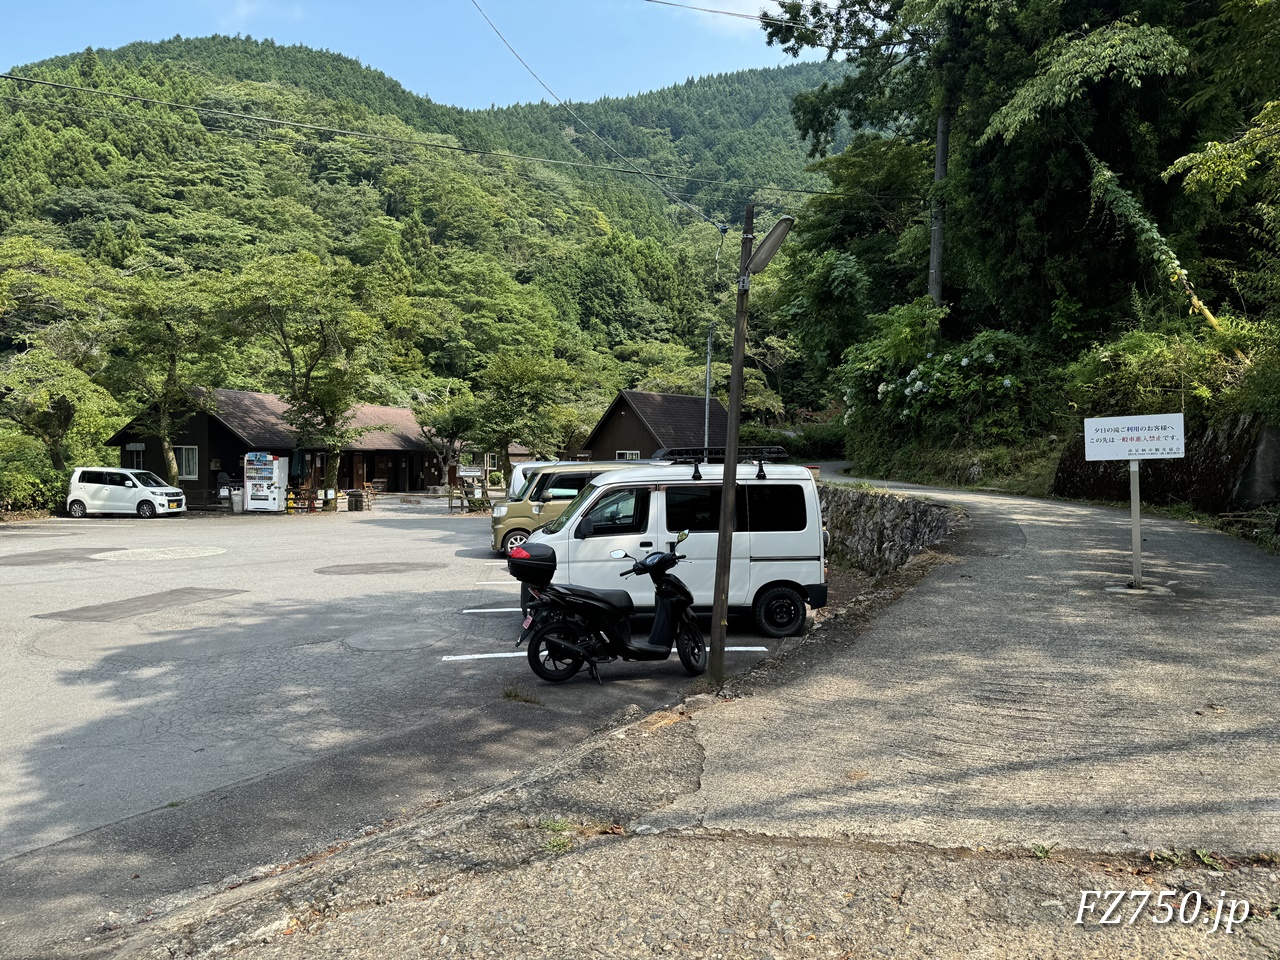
(1042, 852)
(1171, 858)
(1206, 857)
(519, 695)
(558, 842)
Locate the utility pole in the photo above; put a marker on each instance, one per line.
(750, 263)
(728, 488)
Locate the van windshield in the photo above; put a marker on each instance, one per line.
(558, 524)
(148, 479)
(523, 490)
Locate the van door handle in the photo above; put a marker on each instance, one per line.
(646, 543)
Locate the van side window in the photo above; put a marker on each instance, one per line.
(697, 509)
(116, 479)
(563, 486)
(774, 507)
(93, 476)
(621, 511)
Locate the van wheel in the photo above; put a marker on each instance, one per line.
(512, 540)
(146, 509)
(76, 509)
(780, 612)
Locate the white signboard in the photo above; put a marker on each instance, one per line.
(471, 471)
(1157, 437)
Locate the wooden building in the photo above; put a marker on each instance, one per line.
(211, 444)
(638, 424)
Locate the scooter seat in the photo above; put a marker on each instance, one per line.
(619, 598)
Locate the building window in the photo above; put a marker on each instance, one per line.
(188, 462)
(627, 455)
(134, 454)
(491, 462)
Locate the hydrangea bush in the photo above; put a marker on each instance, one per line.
(909, 378)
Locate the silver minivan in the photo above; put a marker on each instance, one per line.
(122, 490)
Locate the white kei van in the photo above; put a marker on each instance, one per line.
(779, 550)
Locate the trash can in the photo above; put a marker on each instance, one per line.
(355, 500)
(237, 499)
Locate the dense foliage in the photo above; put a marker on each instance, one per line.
(154, 239)
(1107, 191)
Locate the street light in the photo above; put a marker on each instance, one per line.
(751, 263)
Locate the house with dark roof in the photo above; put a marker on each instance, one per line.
(638, 424)
(211, 445)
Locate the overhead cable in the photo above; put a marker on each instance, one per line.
(719, 226)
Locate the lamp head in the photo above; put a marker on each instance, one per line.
(762, 254)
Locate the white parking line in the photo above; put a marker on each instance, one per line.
(497, 583)
(495, 610)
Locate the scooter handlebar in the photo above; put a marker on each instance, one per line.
(639, 568)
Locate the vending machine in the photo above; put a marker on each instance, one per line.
(266, 478)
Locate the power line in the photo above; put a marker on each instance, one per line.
(382, 138)
(723, 228)
(756, 18)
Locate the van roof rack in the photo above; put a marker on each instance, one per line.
(716, 454)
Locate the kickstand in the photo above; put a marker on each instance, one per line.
(591, 665)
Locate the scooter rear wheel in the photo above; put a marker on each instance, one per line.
(691, 647)
(544, 658)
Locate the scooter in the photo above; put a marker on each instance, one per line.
(567, 626)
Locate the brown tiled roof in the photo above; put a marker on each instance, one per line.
(258, 419)
(675, 420)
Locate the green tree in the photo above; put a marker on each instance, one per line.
(449, 416)
(521, 400)
(167, 347)
(304, 310)
(49, 399)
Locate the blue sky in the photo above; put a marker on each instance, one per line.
(582, 49)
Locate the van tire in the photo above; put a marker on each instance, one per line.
(146, 509)
(77, 509)
(780, 612)
(514, 538)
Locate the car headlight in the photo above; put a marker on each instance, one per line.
(499, 512)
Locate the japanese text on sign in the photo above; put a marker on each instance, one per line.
(1134, 438)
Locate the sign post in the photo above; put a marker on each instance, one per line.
(1158, 437)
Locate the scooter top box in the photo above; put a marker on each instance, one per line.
(533, 563)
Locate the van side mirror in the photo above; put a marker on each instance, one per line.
(128, 483)
(585, 528)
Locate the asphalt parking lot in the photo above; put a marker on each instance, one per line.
(308, 674)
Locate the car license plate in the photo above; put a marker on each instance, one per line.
(174, 504)
(527, 620)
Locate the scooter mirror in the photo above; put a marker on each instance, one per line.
(684, 534)
(618, 554)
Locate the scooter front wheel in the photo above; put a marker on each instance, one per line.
(691, 647)
(546, 656)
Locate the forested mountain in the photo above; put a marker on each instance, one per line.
(155, 237)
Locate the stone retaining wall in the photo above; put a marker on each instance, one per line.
(878, 532)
